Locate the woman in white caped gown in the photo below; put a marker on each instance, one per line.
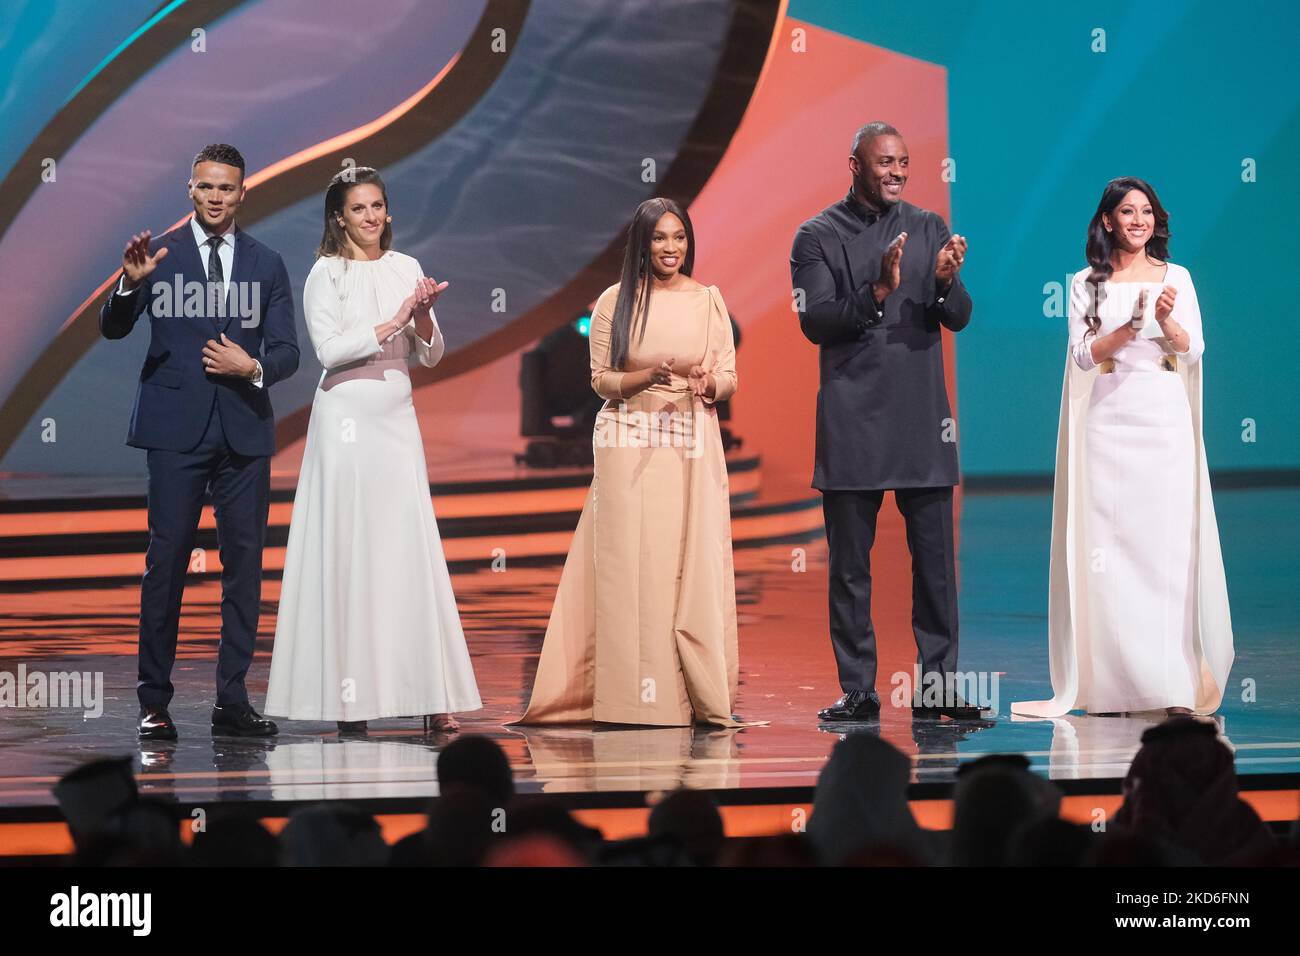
(1138, 615)
(367, 624)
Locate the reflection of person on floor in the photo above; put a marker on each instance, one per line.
(875, 279)
(203, 411)
(643, 629)
(367, 625)
(1138, 615)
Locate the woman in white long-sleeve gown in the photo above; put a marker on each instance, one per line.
(367, 625)
(1138, 613)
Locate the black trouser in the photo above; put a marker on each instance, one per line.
(850, 532)
(240, 489)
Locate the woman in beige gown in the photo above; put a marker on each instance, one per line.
(643, 629)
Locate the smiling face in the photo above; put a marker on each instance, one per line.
(364, 215)
(216, 190)
(668, 246)
(1133, 222)
(880, 170)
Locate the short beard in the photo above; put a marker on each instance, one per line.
(880, 200)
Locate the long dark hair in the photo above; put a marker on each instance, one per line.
(334, 241)
(634, 285)
(1101, 244)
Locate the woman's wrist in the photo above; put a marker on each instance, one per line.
(1173, 333)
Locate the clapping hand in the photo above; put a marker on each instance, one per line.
(891, 268)
(663, 374)
(1165, 304)
(702, 383)
(137, 263)
(426, 293)
(949, 260)
(415, 306)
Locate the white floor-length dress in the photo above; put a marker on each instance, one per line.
(367, 624)
(1138, 613)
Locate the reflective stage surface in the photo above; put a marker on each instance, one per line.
(787, 674)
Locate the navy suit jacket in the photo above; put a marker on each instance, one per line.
(174, 399)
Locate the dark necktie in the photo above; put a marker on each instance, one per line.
(216, 280)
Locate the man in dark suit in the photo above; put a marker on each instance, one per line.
(883, 420)
(203, 412)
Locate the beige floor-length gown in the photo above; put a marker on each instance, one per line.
(643, 629)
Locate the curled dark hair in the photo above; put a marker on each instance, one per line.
(334, 241)
(1101, 243)
(634, 285)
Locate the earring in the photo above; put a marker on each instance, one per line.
(388, 219)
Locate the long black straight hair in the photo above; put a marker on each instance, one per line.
(634, 284)
(1101, 244)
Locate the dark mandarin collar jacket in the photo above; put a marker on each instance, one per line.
(883, 419)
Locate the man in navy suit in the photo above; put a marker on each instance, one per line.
(222, 333)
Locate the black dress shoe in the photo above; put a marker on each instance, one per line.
(156, 724)
(957, 709)
(240, 720)
(854, 705)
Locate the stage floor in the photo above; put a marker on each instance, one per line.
(787, 673)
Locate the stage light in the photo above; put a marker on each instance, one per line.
(558, 407)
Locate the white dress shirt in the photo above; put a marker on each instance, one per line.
(226, 250)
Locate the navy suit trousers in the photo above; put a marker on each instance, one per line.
(240, 488)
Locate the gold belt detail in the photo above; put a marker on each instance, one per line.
(1168, 363)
